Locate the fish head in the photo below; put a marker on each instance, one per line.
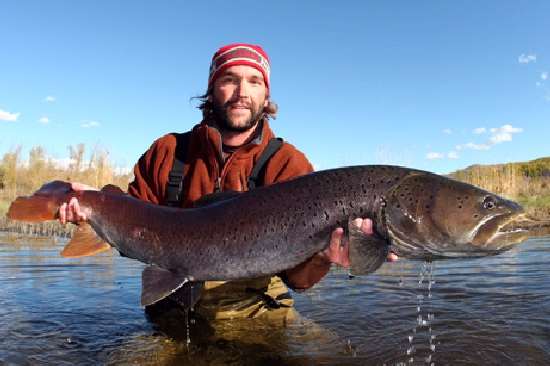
(429, 216)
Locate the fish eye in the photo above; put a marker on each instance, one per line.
(489, 203)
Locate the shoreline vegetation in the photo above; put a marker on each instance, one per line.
(528, 183)
(19, 177)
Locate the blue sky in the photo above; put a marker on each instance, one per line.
(436, 85)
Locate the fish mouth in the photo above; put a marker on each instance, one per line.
(501, 232)
(495, 235)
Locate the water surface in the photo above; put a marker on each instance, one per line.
(487, 311)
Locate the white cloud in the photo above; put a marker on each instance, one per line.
(544, 75)
(7, 116)
(452, 155)
(498, 136)
(434, 155)
(44, 120)
(447, 131)
(49, 99)
(503, 134)
(90, 124)
(525, 59)
(472, 146)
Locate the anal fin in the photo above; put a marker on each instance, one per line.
(84, 242)
(158, 283)
(366, 252)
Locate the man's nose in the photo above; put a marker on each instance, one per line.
(242, 88)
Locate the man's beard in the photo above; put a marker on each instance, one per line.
(225, 123)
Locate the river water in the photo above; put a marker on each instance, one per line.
(488, 311)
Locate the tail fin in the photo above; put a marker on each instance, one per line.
(33, 209)
(43, 205)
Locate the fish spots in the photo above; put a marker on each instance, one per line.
(327, 216)
(460, 201)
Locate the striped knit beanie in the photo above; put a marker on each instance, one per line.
(239, 54)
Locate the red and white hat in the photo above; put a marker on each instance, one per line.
(239, 54)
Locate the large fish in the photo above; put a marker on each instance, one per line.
(265, 231)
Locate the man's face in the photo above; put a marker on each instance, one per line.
(239, 97)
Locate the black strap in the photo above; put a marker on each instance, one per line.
(174, 186)
(272, 147)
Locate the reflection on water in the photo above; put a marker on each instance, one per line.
(86, 311)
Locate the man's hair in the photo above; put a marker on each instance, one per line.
(207, 107)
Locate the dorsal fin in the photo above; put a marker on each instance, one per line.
(111, 188)
(212, 198)
(84, 242)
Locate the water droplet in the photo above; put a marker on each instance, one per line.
(411, 339)
(432, 347)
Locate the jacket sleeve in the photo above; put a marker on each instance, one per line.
(289, 163)
(151, 171)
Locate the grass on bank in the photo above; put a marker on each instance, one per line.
(526, 182)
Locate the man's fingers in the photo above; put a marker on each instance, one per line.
(392, 257)
(366, 226)
(336, 238)
(82, 187)
(77, 214)
(338, 250)
(63, 213)
(71, 212)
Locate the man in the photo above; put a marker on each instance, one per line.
(220, 154)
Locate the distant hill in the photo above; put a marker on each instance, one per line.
(527, 182)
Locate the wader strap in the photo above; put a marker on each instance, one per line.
(272, 147)
(174, 186)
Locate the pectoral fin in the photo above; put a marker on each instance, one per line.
(366, 252)
(158, 283)
(84, 242)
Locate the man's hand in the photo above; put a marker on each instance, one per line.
(338, 250)
(70, 211)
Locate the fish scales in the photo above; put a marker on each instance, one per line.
(261, 232)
